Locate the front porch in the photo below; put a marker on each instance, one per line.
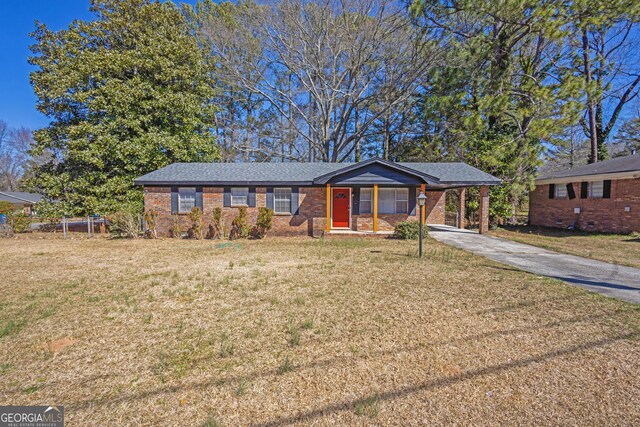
(344, 215)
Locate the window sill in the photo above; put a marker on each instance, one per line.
(239, 206)
(282, 214)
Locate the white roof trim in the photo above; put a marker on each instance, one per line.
(22, 199)
(596, 177)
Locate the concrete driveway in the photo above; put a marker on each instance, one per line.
(607, 279)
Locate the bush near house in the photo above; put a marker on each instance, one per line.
(124, 224)
(176, 229)
(151, 219)
(196, 231)
(216, 229)
(409, 230)
(263, 223)
(240, 227)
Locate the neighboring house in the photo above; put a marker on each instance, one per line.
(21, 200)
(602, 196)
(311, 198)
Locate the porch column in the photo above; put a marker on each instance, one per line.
(423, 209)
(462, 206)
(375, 208)
(327, 226)
(484, 209)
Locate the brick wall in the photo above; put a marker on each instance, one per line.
(435, 207)
(309, 221)
(311, 218)
(607, 215)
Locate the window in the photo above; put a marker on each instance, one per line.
(402, 200)
(366, 200)
(561, 191)
(390, 200)
(393, 200)
(282, 200)
(239, 196)
(596, 189)
(187, 199)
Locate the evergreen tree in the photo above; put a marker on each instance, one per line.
(127, 93)
(494, 103)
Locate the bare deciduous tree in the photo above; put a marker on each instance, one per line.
(14, 155)
(330, 72)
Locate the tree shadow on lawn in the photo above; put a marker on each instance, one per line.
(438, 382)
(350, 405)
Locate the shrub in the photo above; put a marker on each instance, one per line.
(196, 230)
(409, 230)
(151, 218)
(240, 227)
(124, 224)
(20, 221)
(216, 229)
(176, 229)
(263, 223)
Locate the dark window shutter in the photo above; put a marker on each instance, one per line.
(270, 198)
(199, 198)
(412, 201)
(294, 201)
(226, 199)
(174, 200)
(552, 191)
(355, 209)
(570, 192)
(606, 189)
(584, 190)
(251, 200)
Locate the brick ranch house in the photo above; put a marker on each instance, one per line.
(603, 196)
(312, 198)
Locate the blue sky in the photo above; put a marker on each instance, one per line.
(17, 101)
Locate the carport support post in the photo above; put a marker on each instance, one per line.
(327, 226)
(484, 210)
(462, 206)
(375, 208)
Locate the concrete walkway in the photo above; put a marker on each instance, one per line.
(607, 279)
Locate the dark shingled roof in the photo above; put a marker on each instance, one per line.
(297, 173)
(620, 164)
(20, 197)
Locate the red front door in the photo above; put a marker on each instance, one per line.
(341, 207)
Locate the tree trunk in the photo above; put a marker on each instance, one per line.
(591, 113)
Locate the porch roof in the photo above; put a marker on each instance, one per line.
(440, 175)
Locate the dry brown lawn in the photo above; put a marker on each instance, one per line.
(615, 248)
(306, 332)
